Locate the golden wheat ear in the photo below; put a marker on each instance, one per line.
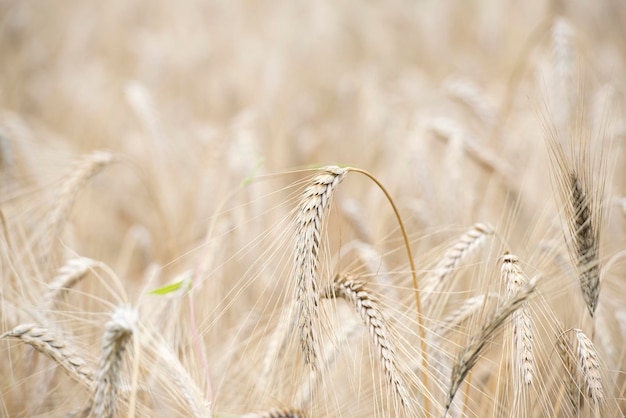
(469, 308)
(309, 220)
(586, 234)
(581, 191)
(580, 174)
(54, 347)
(583, 369)
(367, 306)
(466, 244)
(589, 363)
(87, 168)
(472, 352)
(579, 161)
(68, 275)
(512, 275)
(117, 334)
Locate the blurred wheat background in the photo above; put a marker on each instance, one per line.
(187, 230)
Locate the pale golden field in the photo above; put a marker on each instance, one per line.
(312, 209)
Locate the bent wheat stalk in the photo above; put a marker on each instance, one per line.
(420, 320)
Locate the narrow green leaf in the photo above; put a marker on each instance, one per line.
(168, 288)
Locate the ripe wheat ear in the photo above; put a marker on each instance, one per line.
(470, 355)
(118, 332)
(88, 167)
(309, 219)
(53, 346)
(368, 308)
(514, 279)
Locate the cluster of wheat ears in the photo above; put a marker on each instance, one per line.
(450, 244)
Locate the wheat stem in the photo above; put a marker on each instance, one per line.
(418, 303)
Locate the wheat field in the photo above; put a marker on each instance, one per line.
(409, 208)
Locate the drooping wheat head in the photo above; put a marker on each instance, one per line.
(309, 219)
(89, 166)
(367, 306)
(117, 334)
(67, 276)
(53, 346)
(465, 245)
